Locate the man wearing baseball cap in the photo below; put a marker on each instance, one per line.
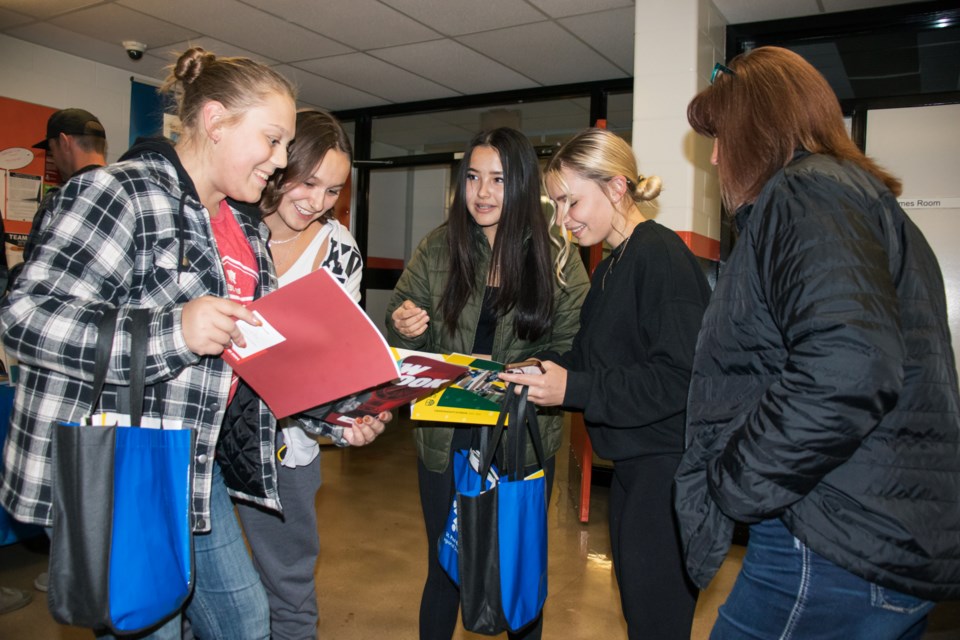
(76, 142)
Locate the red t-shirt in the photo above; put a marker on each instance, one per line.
(239, 263)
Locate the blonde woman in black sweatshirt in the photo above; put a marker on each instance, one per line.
(629, 368)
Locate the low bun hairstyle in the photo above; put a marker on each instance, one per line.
(646, 188)
(238, 84)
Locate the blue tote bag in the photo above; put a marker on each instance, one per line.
(121, 551)
(501, 531)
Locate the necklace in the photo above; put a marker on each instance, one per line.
(616, 260)
(274, 242)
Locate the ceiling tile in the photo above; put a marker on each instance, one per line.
(609, 32)
(414, 49)
(326, 93)
(59, 39)
(453, 65)
(113, 23)
(457, 17)
(46, 8)
(360, 69)
(242, 25)
(172, 52)
(362, 24)
(9, 19)
(740, 11)
(563, 8)
(522, 49)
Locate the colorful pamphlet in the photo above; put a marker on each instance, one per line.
(473, 398)
(420, 375)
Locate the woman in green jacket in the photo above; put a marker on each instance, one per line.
(483, 283)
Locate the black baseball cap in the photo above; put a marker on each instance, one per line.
(73, 122)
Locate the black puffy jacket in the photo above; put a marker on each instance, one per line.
(824, 389)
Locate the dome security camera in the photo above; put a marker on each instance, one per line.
(134, 49)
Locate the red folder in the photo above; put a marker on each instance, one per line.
(329, 348)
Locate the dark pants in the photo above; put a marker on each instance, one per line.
(440, 603)
(657, 598)
(285, 550)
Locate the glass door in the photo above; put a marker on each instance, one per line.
(405, 204)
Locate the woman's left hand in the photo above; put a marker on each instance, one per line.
(546, 389)
(366, 429)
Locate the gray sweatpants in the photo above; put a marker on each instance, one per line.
(285, 551)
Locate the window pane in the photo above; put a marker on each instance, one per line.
(620, 115)
(546, 123)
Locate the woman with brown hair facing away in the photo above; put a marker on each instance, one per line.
(823, 406)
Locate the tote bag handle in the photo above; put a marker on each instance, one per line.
(139, 334)
(522, 422)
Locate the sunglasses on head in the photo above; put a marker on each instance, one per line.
(720, 68)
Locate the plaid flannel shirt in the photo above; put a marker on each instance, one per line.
(114, 241)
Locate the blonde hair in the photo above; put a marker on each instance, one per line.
(597, 155)
(238, 84)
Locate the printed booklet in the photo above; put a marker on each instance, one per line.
(473, 398)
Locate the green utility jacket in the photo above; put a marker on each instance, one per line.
(423, 281)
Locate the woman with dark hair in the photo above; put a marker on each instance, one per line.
(482, 283)
(297, 207)
(823, 406)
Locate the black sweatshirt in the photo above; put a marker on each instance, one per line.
(629, 368)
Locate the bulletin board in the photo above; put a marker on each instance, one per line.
(23, 169)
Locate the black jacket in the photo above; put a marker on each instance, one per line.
(824, 388)
(629, 367)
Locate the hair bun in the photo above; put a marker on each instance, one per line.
(648, 188)
(192, 63)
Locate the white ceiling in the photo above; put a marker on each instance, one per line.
(346, 54)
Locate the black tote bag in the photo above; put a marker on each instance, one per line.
(502, 532)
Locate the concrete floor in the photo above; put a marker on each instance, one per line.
(373, 552)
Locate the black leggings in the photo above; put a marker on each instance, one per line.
(658, 599)
(440, 603)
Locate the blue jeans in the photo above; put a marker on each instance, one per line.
(785, 591)
(228, 601)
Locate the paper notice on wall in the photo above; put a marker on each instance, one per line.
(23, 196)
